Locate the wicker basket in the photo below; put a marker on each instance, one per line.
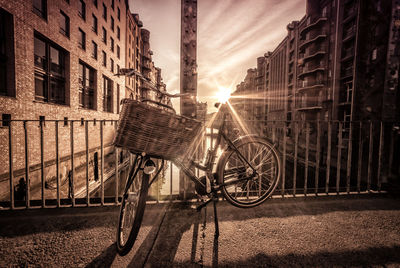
(155, 131)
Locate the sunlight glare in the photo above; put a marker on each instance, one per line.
(223, 94)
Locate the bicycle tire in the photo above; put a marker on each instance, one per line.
(231, 167)
(135, 194)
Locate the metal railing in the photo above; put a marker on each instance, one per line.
(63, 163)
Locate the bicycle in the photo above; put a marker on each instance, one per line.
(247, 172)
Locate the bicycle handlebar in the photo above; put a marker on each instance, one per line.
(131, 72)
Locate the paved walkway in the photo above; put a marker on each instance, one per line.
(312, 232)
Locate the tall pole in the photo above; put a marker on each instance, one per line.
(188, 73)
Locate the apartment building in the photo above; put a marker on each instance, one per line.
(339, 62)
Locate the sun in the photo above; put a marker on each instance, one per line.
(223, 94)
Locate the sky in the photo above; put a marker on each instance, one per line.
(231, 35)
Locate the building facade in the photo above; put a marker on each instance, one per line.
(59, 61)
(339, 62)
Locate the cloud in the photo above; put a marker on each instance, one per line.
(231, 35)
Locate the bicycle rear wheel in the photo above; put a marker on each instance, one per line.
(242, 187)
(132, 207)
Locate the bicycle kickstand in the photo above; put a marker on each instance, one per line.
(213, 199)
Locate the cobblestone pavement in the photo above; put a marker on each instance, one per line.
(310, 232)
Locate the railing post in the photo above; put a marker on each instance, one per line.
(57, 165)
(87, 162)
(318, 156)
(11, 164)
(71, 182)
(381, 141)
(296, 143)
(116, 174)
(328, 157)
(27, 194)
(349, 152)
(339, 158)
(370, 150)
(102, 161)
(42, 162)
(284, 161)
(360, 151)
(306, 160)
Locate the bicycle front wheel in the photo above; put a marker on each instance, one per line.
(132, 208)
(249, 174)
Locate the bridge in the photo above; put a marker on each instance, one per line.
(355, 230)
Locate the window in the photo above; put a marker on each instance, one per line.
(104, 37)
(82, 9)
(107, 94)
(104, 12)
(118, 33)
(112, 23)
(40, 8)
(6, 119)
(64, 24)
(82, 39)
(95, 3)
(112, 4)
(94, 50)
(87, 89)
(112, 65)
(118, 69)
(112, 44)
(104, 58)
(119, 13)
(118, 52)
(50, 62)
(94, 25)
(7, 79)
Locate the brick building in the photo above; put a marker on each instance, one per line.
(337, 66)
(339, 62)
(58, 65)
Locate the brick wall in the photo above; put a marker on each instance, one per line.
(23, 105)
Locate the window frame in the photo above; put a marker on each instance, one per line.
(42, 12)
(104, 35)
(48, 75)
(108, 95)
(87, 90)
(104, 55)
(67, 31)
(104, 12)
(82, 11)
(82, 41)
(95, 24)
(94, 50)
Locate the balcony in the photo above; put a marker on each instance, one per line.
(311, 55)
(318, 37)
(310, 70)
(311, 25)
(309, 86)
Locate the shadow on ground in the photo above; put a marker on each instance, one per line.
(381, 256)
(19, 223)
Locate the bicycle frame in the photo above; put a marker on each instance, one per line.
(210, 160)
